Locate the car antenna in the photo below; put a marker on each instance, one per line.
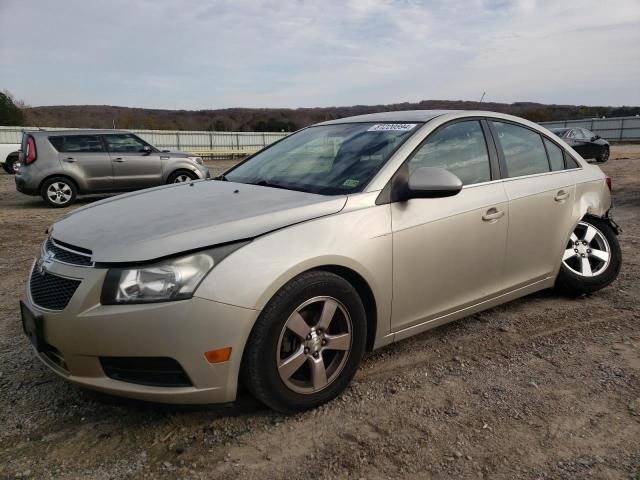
(481, 98)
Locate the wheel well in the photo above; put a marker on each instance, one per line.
(366, 295)
(178, 170)
(46, 179)
(605, 218)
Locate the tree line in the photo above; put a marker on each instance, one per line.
(265, 119)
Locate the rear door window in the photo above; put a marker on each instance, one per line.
(124, 143)
(556, 157)
(77, 143)
(460, 148)
(524, 152)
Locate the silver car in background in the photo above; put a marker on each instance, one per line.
(340, 238)
(60, 164)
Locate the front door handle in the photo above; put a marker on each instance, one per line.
(561, 195)
(119, 160)
(69, 160)
(492, 214)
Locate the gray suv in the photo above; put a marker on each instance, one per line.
(59, 165)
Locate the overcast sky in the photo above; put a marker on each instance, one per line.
(213, 54)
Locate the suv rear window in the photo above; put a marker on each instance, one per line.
(77, 143)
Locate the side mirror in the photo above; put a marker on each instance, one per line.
(595, 137)
(430, 182)
(146, 149)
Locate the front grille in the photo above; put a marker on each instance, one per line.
(51, 291)
(68, 253)
(152, 371)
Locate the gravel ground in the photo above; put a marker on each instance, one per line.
(543, 387)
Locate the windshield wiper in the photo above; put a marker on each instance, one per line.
(264, 183)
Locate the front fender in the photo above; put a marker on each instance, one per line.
(175, 165)
(358, 240)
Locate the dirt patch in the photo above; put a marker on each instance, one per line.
(543, 387)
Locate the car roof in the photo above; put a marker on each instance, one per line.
(76, 131)
(396, 116)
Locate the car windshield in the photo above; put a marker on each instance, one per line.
(326, 159)
(561, 132)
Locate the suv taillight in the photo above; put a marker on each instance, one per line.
(31, 155)
(607, 180)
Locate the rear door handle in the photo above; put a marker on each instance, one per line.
(70, 160)
(120, 160)
(492, 214)
(561, 195)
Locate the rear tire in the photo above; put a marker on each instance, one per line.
(12, 164)
(592, 258)
(307, 344)
(182, 176)
(604, 156)
(59, 192)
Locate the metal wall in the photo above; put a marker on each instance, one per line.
(626, 129)
(203, 143)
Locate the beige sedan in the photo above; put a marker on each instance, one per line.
(339, 239)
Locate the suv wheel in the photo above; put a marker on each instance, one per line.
(59, 192)
(181, 176)
(307, 344)
(12, 164)
(592, 258)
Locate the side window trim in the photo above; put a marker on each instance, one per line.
(498, 172)
(546, 150)
(494, 138)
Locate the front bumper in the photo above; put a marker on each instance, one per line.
(85, 331)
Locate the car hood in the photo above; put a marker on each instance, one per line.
(158, 222)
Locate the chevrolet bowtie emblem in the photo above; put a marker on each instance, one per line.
(44, 263)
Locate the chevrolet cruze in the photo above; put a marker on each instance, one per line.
(339, 239)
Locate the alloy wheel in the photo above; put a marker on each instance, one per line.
(59, 193)
(587, 253)
(15, 165)
(183, 177)
(314, 345)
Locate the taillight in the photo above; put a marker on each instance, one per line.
(607, 180)
(31, 155)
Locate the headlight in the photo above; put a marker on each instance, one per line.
(173, 279)
(198, 160)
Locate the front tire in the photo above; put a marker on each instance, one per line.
(592, 258)
(604, 156)
(182, 176)
(59, 192)
(307, 344)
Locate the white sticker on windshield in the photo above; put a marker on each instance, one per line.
(392, 127)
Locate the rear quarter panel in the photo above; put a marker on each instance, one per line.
(46, 165)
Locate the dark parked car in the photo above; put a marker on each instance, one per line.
(585, 142)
